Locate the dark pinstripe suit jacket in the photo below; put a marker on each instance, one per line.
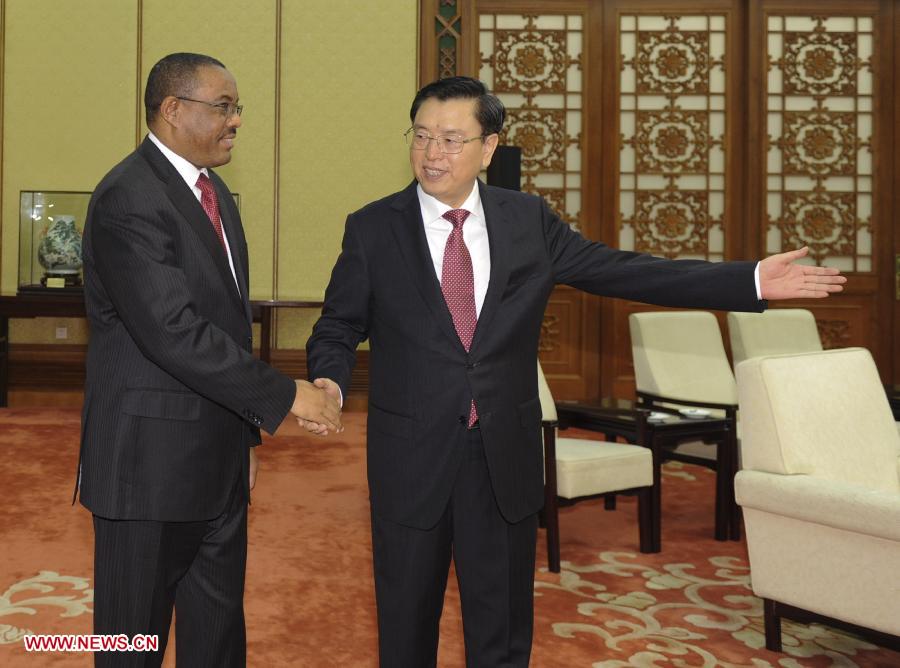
(173, 397)
(421, 379)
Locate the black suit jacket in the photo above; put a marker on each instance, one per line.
(173, 397)
(421, 379)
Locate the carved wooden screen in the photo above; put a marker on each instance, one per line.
(825, 153)
(672, 114)
(533, 60)
(533, 63)
(672, 165)
(727, 129)
(819, 123)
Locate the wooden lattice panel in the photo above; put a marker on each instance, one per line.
(820, 125)
(533, 63)
(672, 162)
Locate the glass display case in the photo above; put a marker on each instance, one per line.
(50, 228)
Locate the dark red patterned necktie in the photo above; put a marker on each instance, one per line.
(210, 203)
(458, 285)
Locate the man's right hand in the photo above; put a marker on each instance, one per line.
(317, 405)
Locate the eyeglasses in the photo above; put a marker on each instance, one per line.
(418, 141)
(226, 109)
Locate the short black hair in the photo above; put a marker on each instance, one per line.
(489, 112)
(174, 75)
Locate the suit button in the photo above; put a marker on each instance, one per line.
(472, 365)
(463, 419)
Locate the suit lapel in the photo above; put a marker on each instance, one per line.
(187, 205)
(499, 240)
(409, 232)
(234, 233)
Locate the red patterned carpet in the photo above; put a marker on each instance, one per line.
(309, 597)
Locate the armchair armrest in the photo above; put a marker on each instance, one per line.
(830, 503)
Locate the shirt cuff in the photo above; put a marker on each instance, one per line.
(756, 282)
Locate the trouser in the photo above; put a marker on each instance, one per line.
(494, 563)
(143, 568)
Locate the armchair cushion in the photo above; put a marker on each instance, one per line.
(584, 467)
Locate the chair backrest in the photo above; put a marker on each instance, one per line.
(824, 414)
(680, 354)
(775, 332)
(548, 406)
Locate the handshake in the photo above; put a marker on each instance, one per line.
(317, 406)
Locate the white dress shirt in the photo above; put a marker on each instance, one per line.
(437, 231)
(190, 174)
(438, 228)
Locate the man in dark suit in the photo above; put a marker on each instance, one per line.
(174, 399)
(449, 280)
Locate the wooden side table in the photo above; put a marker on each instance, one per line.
(623, 418)
(71, 305)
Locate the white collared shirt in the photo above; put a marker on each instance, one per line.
(190, 174)
(437, 231)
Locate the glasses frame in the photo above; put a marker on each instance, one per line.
(223, 107)
(462, 142)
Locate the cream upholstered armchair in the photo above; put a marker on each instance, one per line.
(820, 492)
(579, 468)
(679, 360)
(773, 332)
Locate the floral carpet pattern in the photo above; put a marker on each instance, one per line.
(714, 596)
(310, 598)
(66, 596)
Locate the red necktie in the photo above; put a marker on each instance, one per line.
(458, 285)
(210, 203)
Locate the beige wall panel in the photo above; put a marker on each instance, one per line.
(348, 77)
(242, 35)
(69, 100)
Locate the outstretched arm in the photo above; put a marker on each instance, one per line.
(780, 277)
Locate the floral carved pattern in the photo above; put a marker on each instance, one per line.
(820, 143)
(672, 148)
(823, 221)
(541, 134)
(672, 141)
(819, 63)
(672, 62)
(530, 61)
(670, 222)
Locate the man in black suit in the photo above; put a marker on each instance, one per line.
(449, 280)
(174, 399)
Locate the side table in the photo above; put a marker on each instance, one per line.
(622, 418)
(71, 305)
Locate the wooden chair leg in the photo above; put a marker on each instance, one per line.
(551, 503)
(646, 520)
(772, 623)
(609, 501)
